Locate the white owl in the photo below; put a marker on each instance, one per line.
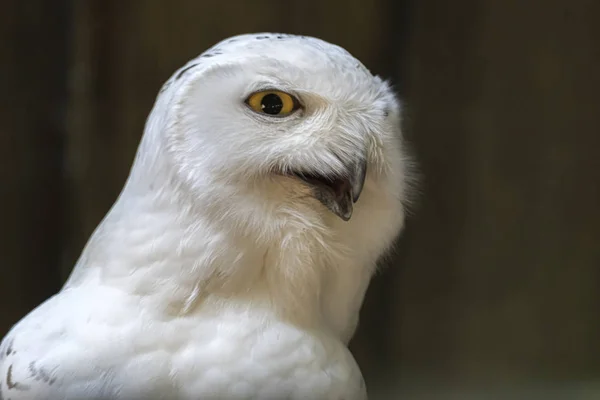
(270, 179)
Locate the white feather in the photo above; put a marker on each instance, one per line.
(211, 277)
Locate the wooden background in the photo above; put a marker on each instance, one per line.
(497, 278)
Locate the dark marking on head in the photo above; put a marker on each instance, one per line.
(165, 86)
(40, 374)
(10, 384)
(9, 348)
(263, 37)
(386, 112)
(212, 53)
(183, 71)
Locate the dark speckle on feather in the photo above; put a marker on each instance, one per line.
(10, 384)
(165, 86)
(40, 374)
(9, 350)
(183, 71)
(212, 53)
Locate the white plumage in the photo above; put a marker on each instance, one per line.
(222, 271)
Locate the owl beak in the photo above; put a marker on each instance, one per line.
(339, 193)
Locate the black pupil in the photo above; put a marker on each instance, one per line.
(271, 104)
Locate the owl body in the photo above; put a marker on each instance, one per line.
(270, 179)
(231, 354)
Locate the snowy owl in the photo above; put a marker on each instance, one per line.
(270, 179)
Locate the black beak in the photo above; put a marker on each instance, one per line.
(338, 193)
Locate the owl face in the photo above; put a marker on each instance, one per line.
(273, 113)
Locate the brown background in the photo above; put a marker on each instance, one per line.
(496, 282)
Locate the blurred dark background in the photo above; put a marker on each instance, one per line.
(495, 287)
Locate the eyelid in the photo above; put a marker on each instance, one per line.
(271, 88)
(274, 86)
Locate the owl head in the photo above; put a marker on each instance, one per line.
(278, 127)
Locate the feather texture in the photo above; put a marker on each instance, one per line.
(216, 275)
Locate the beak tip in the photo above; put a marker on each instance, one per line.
(339, 195)
(346, 217)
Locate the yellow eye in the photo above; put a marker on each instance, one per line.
(273, 102)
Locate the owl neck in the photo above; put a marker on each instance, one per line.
(186, 255)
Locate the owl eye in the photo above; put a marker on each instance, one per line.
(273, 102)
